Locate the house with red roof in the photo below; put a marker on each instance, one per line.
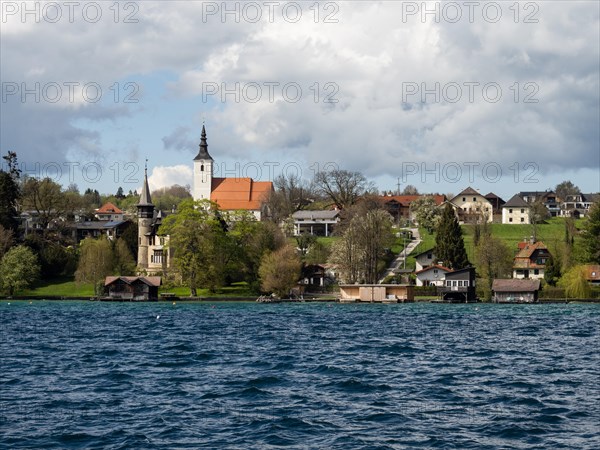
(531, 260)
(109, 211)
(434, 275)
(399, 205)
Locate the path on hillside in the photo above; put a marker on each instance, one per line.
(399, 261)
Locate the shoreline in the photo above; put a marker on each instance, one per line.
(541, 301)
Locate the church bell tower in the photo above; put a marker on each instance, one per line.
(203, 170)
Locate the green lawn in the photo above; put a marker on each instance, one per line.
(63, 287)
(235, 290)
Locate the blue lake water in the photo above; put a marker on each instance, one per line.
(242, 375)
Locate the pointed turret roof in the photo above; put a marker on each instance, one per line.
(145, 199)
(203, 153)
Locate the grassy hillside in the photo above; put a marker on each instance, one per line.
(550, 233)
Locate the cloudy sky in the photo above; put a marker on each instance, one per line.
(441, 95)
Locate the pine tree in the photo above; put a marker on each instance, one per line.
(449, 243)
(552, 271)
(591, 235)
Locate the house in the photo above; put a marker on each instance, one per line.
(109, 212)
(497, 202)
(112, 229)
(424, 259)
(399, 205)
(515, 291)
(516, 211)
(548, 198)
(230, 194)
(132, 288)
(459, 286)
(383, 293)
(530, 261)
(317, 276)
(434, 275)
(593, 274)
(578, 205)
(318, 223)
(472, 207)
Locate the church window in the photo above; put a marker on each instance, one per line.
(202, 168)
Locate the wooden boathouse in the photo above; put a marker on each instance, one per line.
(377, 293)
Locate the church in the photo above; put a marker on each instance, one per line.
(231, 194)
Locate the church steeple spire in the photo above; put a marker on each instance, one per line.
(203, 153)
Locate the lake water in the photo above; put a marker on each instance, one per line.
(242, 375)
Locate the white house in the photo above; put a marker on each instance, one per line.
(472, 207)
(319, 223)
(516, 210)
(424, 259)
(432, 276)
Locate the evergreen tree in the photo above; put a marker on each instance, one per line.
(449, 243)
(9, 193)
(552, 272)
(591, 235)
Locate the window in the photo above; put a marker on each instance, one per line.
(454, 283)
(464, 199)
(522, 210)
(536, 271)
(157, 257)
(460, 283)
(429, 255)
(510, 219)
(510, 210)
(448, 283)
(474, 199)
(522, 219)
(202, 168)
(435, 271)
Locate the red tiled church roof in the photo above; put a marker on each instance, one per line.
(240, 193)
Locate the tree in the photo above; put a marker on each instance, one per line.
(449, 243)
(120, 193)
(198, 239)
(317, 253)
(426, 212)
(96, 261)
(6, 240)
(9, 193)
(552, 271)
(494, 260)
(574, 282)
(124, 261)
(409, 189)
(359, 252)
(566, 188)
(591, 235)
(342, 187)
(19, 268)
(290, 194)
(279, 271)
(169, 198)
(46, 198)
(305, 241)
(537, 214)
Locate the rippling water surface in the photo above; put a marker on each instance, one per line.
(241, 375)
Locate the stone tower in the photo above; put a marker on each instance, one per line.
(145, 215)
(203, 170)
